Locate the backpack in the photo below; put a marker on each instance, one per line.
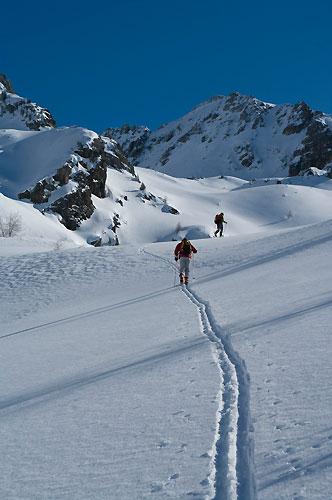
(186, 248)
(218, 218)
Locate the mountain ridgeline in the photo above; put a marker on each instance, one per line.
(233, 135)
(89, 183)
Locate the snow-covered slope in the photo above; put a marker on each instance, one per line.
(29, 157)
(59, 170)
(89, 184)
(138, 216)
(234, 135)
(37, 232)
(249, 207)
(67, 172)
(115, 384)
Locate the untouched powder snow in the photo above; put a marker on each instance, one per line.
(28, 157)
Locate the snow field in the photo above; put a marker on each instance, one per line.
(117, 385)
(94, 393)
(249, 208)
(273, 299)
(35, 155)
(108, 400)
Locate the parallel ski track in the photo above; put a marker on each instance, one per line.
(232, 471)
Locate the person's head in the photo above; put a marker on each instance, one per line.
(184, 239)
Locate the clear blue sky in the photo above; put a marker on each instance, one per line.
(108, 62)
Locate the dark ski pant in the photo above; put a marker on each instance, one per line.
(220, 227)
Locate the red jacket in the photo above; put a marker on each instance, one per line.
(178, 250)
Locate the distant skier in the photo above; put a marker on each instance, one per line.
(183, 252)
(219, 221)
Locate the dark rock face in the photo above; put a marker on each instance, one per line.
(40, 193)
(74, 208)
(63, 174)
(300, 118)
(170, 210)
(245, 155)
(316, 150)
(135, 139)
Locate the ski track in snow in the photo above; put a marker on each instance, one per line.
(232, 469)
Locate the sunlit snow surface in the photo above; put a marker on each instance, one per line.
(111, 378)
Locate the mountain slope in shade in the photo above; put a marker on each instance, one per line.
(233, 135)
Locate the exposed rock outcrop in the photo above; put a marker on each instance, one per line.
(86, 170)
(6, 83)
(133, 139)
(20, 113)
(315, 150)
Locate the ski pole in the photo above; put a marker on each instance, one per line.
(193, 267)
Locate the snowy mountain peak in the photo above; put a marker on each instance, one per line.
(5, 84)
(233, 135)
(19, 113)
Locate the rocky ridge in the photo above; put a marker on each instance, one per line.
(19, 113)
(233, 135)
(86, 170)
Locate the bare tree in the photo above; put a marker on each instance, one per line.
(10, 225)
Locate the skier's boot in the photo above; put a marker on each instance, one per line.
(181, 279)
(186, 279)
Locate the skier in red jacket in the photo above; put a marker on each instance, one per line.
(183, 252)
